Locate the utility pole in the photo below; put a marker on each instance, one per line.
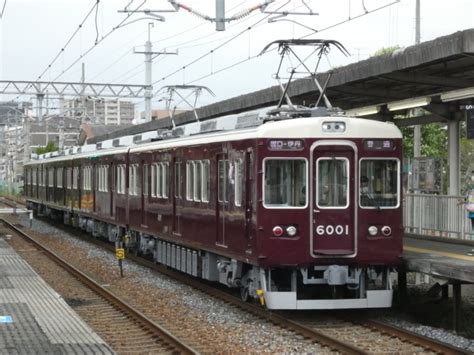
(417, 128)
(61, 123)
(148, 72)
(83, 98)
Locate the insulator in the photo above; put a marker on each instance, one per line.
(241, 14)
(199, 14)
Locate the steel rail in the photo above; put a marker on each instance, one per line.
(314, 335)
(414, 338)
(106, 294)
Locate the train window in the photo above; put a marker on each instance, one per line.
(102, 177)
(68, 177)
(223, 172)
(51, 177)
(121, 179)
(145, 179)
(59, 177)
(379, 183)
(164, 180)
(75, 177)
(177, 179)
(189, 180)
(204, 180)
(153, 180)
(197, 181)
(238, 182)
(87, 178)
(133, 179)
(285, 182)
(332, 183)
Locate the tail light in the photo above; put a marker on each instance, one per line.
(386, 231)
(277, 231)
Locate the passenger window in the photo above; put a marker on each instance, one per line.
(238, 182)
(285, 182)
(204, 180)
(177, 179)
(223, 172)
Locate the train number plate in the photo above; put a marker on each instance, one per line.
(331, 230)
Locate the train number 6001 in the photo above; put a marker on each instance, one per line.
(331, 230)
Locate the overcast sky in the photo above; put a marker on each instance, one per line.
(34, 31)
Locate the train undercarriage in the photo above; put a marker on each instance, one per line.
(315, 287)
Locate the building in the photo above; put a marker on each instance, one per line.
(100, 111)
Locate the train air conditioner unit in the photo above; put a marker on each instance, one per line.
(122, 141)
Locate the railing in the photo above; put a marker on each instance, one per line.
(437, 215)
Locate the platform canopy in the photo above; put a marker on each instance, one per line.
(437, 75)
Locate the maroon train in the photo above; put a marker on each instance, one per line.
(300, 209)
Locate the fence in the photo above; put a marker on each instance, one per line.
(436, 215)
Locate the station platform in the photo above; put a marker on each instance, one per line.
(447, 258)
(34, 319)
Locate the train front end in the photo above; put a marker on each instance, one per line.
(329, 219)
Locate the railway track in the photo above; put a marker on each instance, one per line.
(340, 335)
(126, 329)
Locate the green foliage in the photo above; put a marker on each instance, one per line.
(50, 147)
(386, 51)
(434, 141)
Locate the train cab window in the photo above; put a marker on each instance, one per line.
(238, 183)
(285, 182)
(379, 183)
(332, 183)
(223, 173)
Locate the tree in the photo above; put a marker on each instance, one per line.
(50, 147)
(386, 51)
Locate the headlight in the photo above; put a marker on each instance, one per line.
(277, 231)
(373, 231)
(291, 231)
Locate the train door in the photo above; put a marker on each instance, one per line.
(222, 203)
(112, 185)
(144, 174)
(334, 223)
(95, 185)
(176, 194)
(248, 196)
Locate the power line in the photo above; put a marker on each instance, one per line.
(255, 56)
(61, 51)
(99, 41)
(3, 9)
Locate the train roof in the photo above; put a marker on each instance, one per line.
(252, 125)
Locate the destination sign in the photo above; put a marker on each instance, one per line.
(379, 144)
(285, 144)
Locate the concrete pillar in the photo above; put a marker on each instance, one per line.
(453, 157)
(456, 306)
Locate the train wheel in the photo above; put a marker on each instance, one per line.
(244, 293)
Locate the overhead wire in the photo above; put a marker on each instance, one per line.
(255, 56)
(180, 44)
(99, 41)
